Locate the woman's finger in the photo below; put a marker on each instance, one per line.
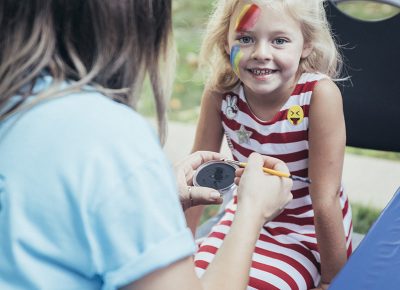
(203, 196)
(239, 172)
(237, 180)
(274, 163)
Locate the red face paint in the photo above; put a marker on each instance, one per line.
(247, 17)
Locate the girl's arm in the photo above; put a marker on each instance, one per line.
(208, 137)
(327, 139)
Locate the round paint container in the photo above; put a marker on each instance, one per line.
(219, 175)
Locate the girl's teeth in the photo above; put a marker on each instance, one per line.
(261, 71)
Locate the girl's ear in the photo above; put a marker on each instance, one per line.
(307, 49)
(228, 51)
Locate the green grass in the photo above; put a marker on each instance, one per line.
(374, 153)
(190, 18)
(209, 211)
(189, 21)
(363, 217)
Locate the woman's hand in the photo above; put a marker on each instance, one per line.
(266, 195)
(190, 195)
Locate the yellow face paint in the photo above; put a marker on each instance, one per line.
(295, 115)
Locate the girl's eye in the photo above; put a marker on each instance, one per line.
(280, 41)
(245, 39)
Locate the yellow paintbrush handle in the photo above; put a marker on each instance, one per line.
(273, 172)
(268, 170)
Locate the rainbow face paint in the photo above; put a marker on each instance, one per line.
(247, 17)
(235, 57)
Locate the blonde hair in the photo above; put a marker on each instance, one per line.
(324, 58)
(111, 45)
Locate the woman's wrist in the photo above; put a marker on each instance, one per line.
(261, 212)
(247, 213)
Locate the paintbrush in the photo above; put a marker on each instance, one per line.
(272, 172)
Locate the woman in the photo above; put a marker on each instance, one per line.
(88, 200)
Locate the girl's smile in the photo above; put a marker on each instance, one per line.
(261, 73)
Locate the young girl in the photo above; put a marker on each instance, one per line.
(270, 90)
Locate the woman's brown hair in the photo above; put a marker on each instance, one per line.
(111, 45)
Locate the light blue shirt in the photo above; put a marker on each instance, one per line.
(87, 197)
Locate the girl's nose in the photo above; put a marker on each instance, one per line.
(262, 51)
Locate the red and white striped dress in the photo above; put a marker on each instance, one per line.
(286, 254)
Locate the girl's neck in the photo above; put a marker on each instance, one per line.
(266, 106)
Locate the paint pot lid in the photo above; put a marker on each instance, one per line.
(219, 175)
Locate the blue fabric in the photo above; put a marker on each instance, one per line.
(87, 197)
(375, 264)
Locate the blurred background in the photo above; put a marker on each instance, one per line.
(190, 18)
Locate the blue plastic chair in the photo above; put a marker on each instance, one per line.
(375, 264)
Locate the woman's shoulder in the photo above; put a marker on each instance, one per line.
(63, 104)
(94, 112)
(89, 121)
(76, 121)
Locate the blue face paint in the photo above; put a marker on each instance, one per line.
(235, 57)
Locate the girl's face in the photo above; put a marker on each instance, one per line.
(265, 47)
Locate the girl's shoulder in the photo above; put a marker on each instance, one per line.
(317, 83)
(327, 88)
(307, 88)
(311, 77)
(217, 97)
(308, 81)
(235, 92)
(222, 93)
(326, 95)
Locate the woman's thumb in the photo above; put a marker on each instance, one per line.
(204, 195)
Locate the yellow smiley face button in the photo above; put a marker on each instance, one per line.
(295, 115)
